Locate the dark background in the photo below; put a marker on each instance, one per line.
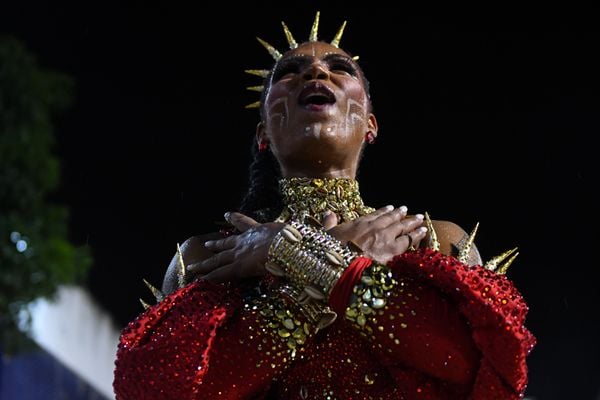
(484, 116)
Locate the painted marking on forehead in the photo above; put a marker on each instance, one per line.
(307, 56)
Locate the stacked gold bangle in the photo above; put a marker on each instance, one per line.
(309, 257)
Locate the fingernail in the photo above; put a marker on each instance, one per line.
(389, 207)
(227, 216)
(419, 216)
(422, 229)
(208, 243)
(403, 209)
(327, 213)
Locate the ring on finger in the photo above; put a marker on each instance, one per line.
(410, 242)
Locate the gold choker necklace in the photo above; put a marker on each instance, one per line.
(314, 196)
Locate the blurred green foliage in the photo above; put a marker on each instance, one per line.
(35, 252)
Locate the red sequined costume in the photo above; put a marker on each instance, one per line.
(448, 331)
(425, 326)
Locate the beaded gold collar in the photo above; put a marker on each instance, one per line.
(314, 196)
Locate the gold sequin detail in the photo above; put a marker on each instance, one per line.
(370, 296)
(284, 322)
(314, 196)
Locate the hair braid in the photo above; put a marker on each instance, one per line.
(262, 200)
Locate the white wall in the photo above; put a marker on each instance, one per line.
(79, 333)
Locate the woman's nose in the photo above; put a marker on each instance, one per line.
(315, 71)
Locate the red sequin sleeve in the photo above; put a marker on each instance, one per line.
(442, 328)
(204, 342)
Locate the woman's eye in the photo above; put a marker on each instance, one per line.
(285, 72)
(343, 68)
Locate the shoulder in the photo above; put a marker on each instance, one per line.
(452, 237)
(193, 250)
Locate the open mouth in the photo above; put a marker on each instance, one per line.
(316, 96)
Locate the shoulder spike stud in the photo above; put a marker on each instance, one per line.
(157, 293)
(465, 251)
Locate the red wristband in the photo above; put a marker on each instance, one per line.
(341, 292)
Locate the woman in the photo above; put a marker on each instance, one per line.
(312, 294)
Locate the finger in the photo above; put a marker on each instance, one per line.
(225, 273)
(216, 261)
(413, 238)
(329, 220)
(391, 218)
(240, 221)
(405, 225)
(377, 213)
(221, 244)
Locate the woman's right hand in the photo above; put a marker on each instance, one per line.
(383, 234)
(238, 256)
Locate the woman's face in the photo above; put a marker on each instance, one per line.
(316, 110)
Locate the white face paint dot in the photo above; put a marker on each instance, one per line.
(329, 129)
(307, 129)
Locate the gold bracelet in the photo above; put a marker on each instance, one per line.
(309, 257)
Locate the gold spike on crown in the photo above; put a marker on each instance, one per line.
(276, 54)
(499, 264)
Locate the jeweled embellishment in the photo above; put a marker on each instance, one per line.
(314, 196)
(370, 295)
(284, 324)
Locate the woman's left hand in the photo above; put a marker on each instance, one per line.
(238, 256)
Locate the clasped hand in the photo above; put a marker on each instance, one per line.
(381, 235)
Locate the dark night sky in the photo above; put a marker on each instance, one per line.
(484, 116)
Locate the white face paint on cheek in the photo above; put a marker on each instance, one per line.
(279, 111)
(314, 130)
(355, 114)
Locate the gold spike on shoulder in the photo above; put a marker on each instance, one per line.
(157, 293)
(465, 251)
(144, 304)
(433, 240)
(181, 272)
(493, 264)
(288, 35)
(504, 267)
(314, 31)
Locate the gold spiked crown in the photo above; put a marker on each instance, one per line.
(276, 54)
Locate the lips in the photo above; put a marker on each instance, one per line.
(316, 95)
